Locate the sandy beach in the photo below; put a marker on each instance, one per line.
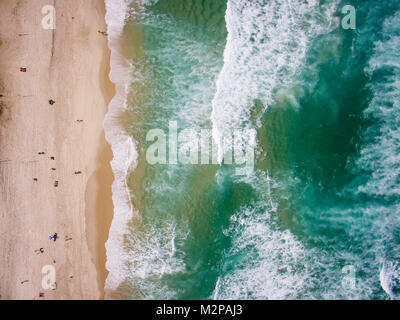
(70, 66)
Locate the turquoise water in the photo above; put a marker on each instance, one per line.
(318, 217)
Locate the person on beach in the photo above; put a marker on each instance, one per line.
(54, 237)
(40, 250)
(51, 102)
(77, 172)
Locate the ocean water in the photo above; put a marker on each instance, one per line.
(317, 217)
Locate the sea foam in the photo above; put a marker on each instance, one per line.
(123, 146)
(379, 154)
(266, 46)
(265, 50)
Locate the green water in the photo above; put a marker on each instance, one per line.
(324, 194)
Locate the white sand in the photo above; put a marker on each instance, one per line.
(69, 65)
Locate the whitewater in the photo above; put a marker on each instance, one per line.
(316, 218)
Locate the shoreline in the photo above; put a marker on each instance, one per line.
(100, 183)
(63, 65)
(123, 146)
